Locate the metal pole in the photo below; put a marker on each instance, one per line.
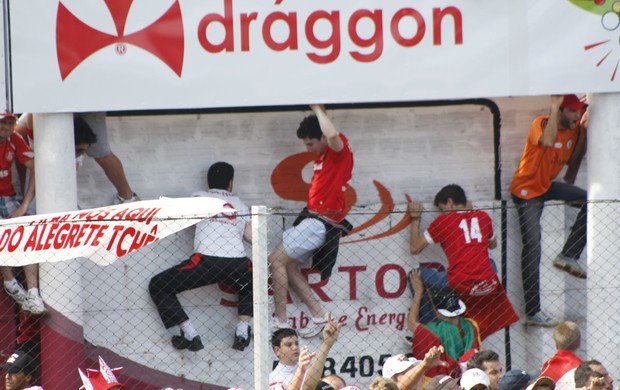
(61, 282)
(260, 269)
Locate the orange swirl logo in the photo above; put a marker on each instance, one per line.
(288, 183)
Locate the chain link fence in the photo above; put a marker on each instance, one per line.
(96, 310)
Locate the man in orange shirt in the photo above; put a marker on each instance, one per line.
(554, 140)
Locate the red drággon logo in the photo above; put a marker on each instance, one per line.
(76, 41)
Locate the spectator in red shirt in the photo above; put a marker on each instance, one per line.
(567, 338)
(466, 235)
(14, 148)
(319, 227)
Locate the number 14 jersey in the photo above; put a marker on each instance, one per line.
(464, 237)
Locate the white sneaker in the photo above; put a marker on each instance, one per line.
(541, 319)
(20, 295)
(276, 324)
(120, 200)
(34, 305)
(315, 327)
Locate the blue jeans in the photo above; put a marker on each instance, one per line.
(8, 204)
(433, 279)
(530, 212)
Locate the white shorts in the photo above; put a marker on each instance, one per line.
(300, 241)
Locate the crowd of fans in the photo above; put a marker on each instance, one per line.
(299, 368)
(481, 371)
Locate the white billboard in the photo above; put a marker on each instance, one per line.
(95, 55)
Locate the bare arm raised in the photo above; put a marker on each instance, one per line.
(550, 132)
(330, 335)
(574, 162)
(305, 358)
(414, 375)
(327, 127)
(413, 320)
(417, 242)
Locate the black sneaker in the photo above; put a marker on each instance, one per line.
(180, 342)
(241, 342)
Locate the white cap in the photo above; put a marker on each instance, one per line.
(473, 377)
(397, 364)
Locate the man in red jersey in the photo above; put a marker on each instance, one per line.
(318, 228)
(465, 236)
(14, 148)
(567, 338)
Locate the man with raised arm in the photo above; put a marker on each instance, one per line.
(554, 140)
(318, 228)
(451, 329)
(466, 235)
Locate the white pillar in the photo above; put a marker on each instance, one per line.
(56, 192)
(260, 274)
(55, 163)
(603, 333)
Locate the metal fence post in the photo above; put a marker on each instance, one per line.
(260, 276)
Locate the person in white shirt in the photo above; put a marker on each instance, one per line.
(219, 257)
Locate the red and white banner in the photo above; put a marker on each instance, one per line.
(95, 55)
(103, 234)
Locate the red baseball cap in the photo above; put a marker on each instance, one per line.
(572, 102)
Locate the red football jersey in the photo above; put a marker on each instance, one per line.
(562, 362)
(332, 172)
(464, 237)
(14, 147)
